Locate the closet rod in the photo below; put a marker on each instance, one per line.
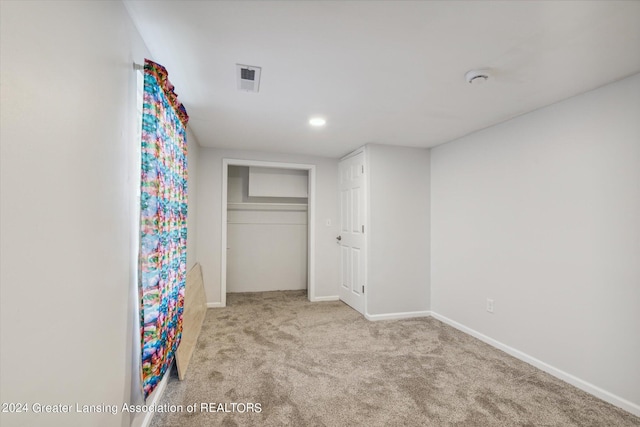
(138, 67)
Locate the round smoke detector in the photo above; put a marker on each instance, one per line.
(477, 77)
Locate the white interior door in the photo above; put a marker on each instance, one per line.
(352, 229)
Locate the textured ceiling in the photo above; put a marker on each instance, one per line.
(380, 72)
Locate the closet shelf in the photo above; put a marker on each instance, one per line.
(266, 206)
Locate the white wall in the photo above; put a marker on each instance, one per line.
(266, 256)
(398, 237)
(266, 236)
(209, 216)
(273, 182)
(542, 214)
(68, 167)
(193, 150)
(238, 185)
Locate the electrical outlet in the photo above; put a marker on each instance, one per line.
(489, 305)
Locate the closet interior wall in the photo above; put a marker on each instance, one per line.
(266, 236)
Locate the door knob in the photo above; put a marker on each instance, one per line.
(339, 238)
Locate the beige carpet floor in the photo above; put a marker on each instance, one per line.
(323, 364)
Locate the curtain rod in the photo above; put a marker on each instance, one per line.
(138, 67)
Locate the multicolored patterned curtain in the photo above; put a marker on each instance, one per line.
(163, 224)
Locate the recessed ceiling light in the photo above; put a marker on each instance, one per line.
(477, 76)
(317, 121)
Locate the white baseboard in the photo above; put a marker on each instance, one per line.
(558, 373)
(313, 299)
(402, 315)
(329, 298)
(155, 398)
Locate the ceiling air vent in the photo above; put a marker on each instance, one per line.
(248, 77)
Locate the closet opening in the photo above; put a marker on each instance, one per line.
(267, 227)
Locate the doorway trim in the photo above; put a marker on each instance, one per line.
(311, 215)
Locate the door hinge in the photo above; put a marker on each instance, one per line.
(363, 228)
(363, 289)
(362, 168)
